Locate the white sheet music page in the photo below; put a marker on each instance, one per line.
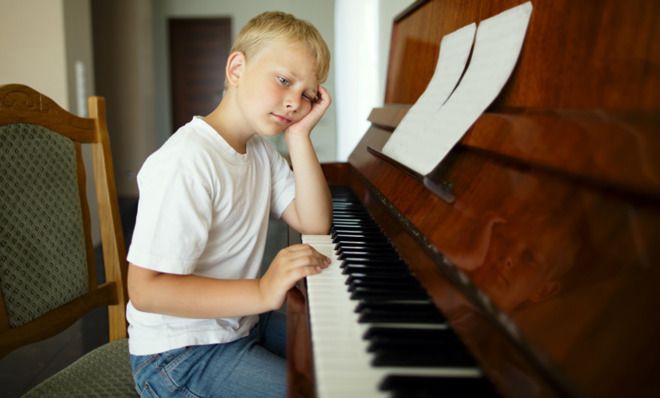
(454, 51)
(496, 49)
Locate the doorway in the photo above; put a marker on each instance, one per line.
(199, 48)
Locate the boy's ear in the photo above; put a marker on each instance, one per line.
(235, 67)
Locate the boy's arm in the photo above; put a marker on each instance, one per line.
(311, 210)
(193, 296)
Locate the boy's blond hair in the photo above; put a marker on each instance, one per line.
(274, 25)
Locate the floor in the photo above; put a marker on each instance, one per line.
(26, 367)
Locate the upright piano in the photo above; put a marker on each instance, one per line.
(539, 275)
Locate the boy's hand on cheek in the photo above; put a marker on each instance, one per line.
(305, 125)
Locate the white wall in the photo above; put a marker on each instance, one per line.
(356, 61)
(319, 12)
(361, 50)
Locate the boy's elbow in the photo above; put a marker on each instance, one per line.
(325, 228)
(138, 278)
(138, 301)
(319, 228)
(316, 231)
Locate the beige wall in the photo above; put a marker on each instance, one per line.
(32, 44)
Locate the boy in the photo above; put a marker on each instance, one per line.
(201, 322)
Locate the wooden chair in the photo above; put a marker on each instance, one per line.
(47, 266)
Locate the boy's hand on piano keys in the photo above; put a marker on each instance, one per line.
(305, 125)
(289, 265)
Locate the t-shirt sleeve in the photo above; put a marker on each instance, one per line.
(283, 188)
(174, 216)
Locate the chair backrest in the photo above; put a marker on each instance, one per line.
(47, 264)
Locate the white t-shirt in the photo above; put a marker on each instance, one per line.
(203, 210)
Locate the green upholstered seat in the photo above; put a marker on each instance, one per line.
(103, 372)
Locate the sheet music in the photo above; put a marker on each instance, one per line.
(454, 51)
(423, 141)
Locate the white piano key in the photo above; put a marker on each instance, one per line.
(342, 364)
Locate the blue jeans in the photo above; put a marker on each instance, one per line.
(253, 366)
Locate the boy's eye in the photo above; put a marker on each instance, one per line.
(283, 81)
(311, 98)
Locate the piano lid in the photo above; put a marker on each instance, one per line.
(556, 212)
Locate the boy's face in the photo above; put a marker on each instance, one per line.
(278, 87)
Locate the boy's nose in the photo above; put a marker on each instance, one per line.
(292, 104)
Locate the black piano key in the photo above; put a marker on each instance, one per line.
(389, 294)
(349, 246)
(350, 216)
(370, 232)
(376, 258)
(437, 386)
(386, 288)
(417, 347)
(359, 240)
(347, 216)
(348, 208)
(426, 306)
(404, 357)
(413, 345)
(351, 269)
(368, 253)
(423, 357)
(349, 223)
(351, 227)
(373, 312)
(398, 317)
(420, 335)
(394, 334)
(356, 230)
(382, 284)
(353, 221)
(374, 262)
(356, 237)
(378, 276)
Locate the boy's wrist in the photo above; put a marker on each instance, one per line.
(296, 136)
(296, 140)
(267, 304)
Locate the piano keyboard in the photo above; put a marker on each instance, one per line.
(375, 332)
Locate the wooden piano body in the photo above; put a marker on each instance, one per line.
(547, 264)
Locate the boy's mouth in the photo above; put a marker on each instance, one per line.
(281, 118)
